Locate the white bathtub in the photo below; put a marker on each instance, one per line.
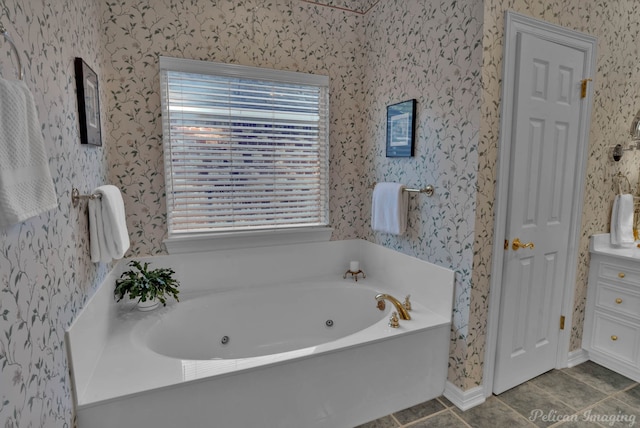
(281, 352)
(258, 322)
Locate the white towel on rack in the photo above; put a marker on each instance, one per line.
(26, 186)
(622, 220)
(108, 234)
(389, 207)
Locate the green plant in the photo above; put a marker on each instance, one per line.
(144, 284)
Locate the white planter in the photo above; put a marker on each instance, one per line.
(149, 305)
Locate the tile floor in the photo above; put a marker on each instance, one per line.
(587, 395)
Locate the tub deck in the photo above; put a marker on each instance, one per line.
(118, 381)
(127, 367)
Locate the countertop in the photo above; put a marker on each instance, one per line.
(601, 244)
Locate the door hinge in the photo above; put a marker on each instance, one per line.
(583, 92)
(561, 322)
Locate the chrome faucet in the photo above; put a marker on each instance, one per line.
(402, 311)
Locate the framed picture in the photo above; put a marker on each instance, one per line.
(88, 104)
(401, 125)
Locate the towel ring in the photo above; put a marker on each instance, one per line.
(3, 31)
(620, 176)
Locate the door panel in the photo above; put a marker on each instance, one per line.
(545, 134)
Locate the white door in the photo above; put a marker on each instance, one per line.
(544, 143)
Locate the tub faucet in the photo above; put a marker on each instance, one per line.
(404, 314)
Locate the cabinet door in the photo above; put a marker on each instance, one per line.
(615, 337)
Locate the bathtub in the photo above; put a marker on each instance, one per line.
(293, 319)
(279, 349)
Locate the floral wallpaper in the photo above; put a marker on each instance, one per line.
(616, 98)
(359, 6)
(45, 272)
(430, 51)
(286, 34)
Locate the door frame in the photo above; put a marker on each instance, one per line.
(516, 24)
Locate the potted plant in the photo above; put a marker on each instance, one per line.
(149, 287)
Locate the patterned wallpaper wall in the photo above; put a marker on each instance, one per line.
(45, 271)
(616, 100)
(430, 51)
(359, 6)
(286, 34)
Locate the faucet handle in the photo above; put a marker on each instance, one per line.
(407, 302)
(394, 322)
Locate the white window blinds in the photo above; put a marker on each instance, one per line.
(245, 148)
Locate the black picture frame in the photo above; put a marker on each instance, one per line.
(88, 104)
(401, 129)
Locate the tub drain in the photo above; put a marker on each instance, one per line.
(224, 340)
(329, 323)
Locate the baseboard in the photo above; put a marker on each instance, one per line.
(464, 400)
(577, 357)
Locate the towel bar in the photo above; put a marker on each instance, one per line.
(76, 196)
(429, 190)
(3, 31)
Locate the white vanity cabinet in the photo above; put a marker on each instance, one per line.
(612, 317)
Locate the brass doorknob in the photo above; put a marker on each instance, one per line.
(614, 337)
(517, 245)
(618, 300)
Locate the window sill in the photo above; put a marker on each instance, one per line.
(246, 239)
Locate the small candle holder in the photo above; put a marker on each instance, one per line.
(354, 274)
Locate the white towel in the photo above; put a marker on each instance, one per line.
(622, 220)
(108, 234)
(614, 231)
(389, 207)
(26, 186)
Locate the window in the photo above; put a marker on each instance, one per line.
(245, 148)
